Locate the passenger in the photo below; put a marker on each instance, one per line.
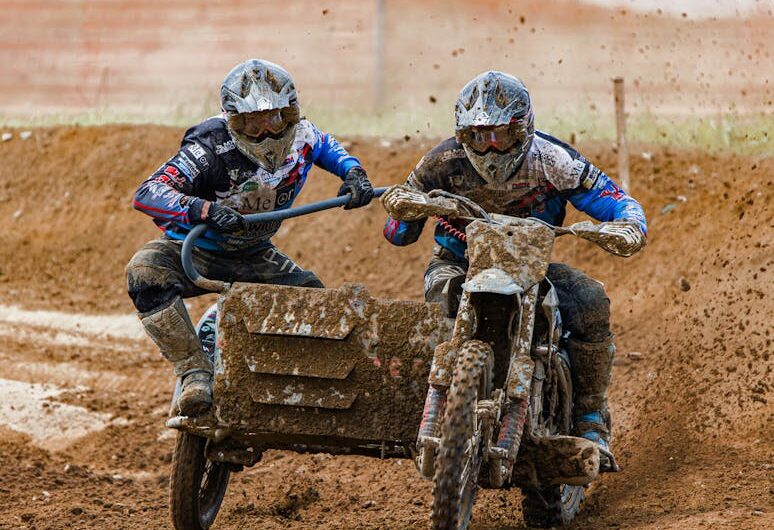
(253, 157)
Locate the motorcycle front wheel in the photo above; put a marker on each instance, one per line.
(458, 462)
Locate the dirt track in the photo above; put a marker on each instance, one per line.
(692, 393)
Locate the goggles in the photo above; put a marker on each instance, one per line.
(498, 137)
(265, 122)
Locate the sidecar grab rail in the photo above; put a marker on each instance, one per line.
(186, 255)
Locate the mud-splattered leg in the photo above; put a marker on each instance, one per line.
(585, 309)
(156, 286)
(443, 279)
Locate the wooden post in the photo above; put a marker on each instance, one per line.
(620, 126)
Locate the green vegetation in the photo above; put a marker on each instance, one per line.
(741, 133)
(750, 134)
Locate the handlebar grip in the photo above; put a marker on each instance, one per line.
(186, 254)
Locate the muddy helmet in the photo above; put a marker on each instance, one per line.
(495, 124)
(261, 108)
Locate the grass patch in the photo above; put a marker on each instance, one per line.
(748, 134)
(741, 133)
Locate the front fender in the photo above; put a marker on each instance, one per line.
(492, 280)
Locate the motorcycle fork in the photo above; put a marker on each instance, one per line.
(469, 324)
(518, 385)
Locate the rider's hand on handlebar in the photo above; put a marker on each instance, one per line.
(223, 219)
(356, 183)
(407, 204)
(622, 238)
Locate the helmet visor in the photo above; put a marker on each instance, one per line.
(264, 123)
(501, 138)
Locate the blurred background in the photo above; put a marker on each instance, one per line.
(695, 71)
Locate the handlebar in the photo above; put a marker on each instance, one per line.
(186, 255)
(478, 212)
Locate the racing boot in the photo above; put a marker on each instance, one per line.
(171, 329)
(592, 363)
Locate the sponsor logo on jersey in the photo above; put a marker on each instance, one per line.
(577, 167)
(616, 193)
(198, 153)
(285, 195)
(256, 197)
(591, 178)
(451, 154)
(184, 163)
(174, 174)
(196, 150)
(225, 147)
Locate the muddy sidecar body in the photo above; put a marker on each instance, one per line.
(333, 370)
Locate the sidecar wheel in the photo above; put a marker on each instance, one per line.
(458, 463)
(196, 486)
(552, 506)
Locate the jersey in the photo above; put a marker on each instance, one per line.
(552, 174)
(209, 167)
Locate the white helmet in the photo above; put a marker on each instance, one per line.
(495, 124)
(261, 106)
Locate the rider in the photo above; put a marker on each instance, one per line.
(500, 161)
(253, 157)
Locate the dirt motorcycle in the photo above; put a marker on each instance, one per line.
(498, 412)
(308, 370)
(341, 372)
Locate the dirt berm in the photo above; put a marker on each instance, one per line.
(692, 390)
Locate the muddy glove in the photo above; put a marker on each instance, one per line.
(622, 238)
(356, 183)
(224, 219)
(407, 204)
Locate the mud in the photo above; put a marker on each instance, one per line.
(622, 238)
(522, 250)
(346, 365)
(691, 394)
(26, 408)
(406, 204)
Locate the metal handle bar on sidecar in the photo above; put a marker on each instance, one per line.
(186, 255)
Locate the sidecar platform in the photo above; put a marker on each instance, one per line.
(332, 370)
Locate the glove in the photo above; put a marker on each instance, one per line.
(356, 183)
(224, 219)
(407, 204)
(622, 238)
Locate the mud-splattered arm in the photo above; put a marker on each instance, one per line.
(431, 173)
(400, 232)
(606, 201)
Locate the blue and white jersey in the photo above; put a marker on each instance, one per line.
(209, 167)
(553, 174)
